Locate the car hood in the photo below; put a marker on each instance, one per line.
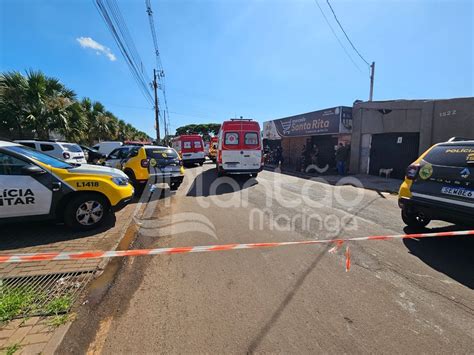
(97, 170)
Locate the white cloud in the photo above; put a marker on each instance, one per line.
(87, 42)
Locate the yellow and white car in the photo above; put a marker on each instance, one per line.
(36, 186)
(154, 164)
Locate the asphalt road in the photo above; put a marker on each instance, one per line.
(401, 296)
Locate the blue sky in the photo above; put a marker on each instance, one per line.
(259, 59)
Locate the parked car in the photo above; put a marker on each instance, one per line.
(240, 148)
(69, 152)
(191, 148)
(36, 186)
(159, 163)
(107, 147)
(439, 185)
(92, 155)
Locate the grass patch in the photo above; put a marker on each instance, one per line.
(58, 320)
(20, 301)
(15, 302)
(59, 305)
(12, 349)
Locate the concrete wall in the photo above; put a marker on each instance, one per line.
(435, 120)
(453, 118)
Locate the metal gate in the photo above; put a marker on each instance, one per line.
(393, 151)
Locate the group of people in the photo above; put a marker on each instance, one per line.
(310, 157)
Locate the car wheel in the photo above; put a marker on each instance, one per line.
(415, 220)
(86, 211)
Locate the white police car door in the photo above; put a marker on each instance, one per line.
(25, 188)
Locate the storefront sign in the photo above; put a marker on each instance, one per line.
(313, 123)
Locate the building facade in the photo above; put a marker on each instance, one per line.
(323, 130)
(392, 134)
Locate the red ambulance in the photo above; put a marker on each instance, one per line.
(191, 148)
(240, 148)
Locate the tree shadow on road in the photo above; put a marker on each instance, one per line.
(208, 184)
(452, 256)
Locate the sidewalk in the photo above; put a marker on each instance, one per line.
(36, 335)
(370, 182)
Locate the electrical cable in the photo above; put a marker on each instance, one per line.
(335, 35)
(345, 34)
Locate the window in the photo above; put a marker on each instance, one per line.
(31, 145)
(41, 157)
(187, 145)
(165, 153)
(452, 155)
(123, 153)
(10, 165)
(72, 148)
(197, 144)
(46, 147)
(114, 154)
(231, 138)
(251, 138)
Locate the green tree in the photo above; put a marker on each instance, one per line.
(35, 105)
(13, 87)
(205, 130)
(46, 104)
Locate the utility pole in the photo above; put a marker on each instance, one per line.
(157, 111)
(372, 74)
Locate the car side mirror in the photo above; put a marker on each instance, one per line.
(32, 170)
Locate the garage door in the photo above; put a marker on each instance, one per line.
(393, 151)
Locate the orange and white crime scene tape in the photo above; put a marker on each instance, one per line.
(21, 258)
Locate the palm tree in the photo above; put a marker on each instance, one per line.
(46, 104)
(94, 113)
(36, 105)
(77, 127)
(13, 86)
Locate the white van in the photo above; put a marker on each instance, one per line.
(68, 152)
(107, 147)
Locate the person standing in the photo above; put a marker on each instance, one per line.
(341, 157)
(315, 155)
(279, 156)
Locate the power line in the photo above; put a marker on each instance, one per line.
(159, 65)
(345, 34)
(335, 35)
(114, 21)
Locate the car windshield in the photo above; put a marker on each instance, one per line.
(41, 157)
(74, 148)
(451, 155)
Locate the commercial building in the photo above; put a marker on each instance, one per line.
(392, 134)
(324, 129)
